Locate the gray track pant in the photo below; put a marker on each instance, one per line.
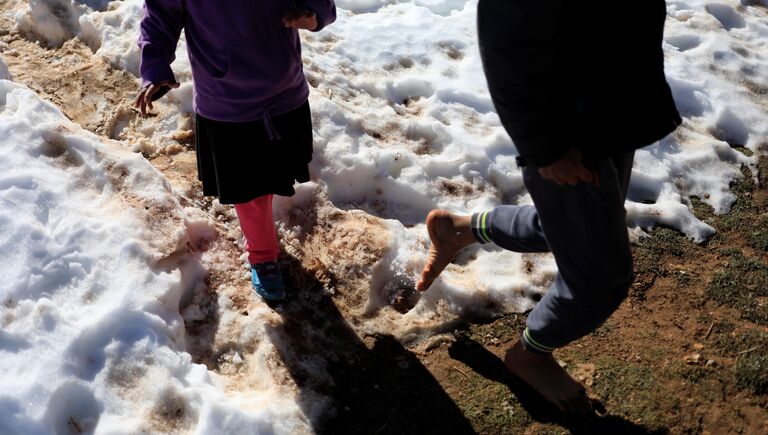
(585, 227)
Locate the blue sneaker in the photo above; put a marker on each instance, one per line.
(268, 281)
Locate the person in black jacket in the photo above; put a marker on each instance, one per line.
(578, 86)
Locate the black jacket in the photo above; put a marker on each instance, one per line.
(588, 75)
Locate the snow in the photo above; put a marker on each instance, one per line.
(92, 335)
(4, 73)
(94, 327)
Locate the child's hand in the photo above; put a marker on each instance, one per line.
(152, 93)
(300, 19)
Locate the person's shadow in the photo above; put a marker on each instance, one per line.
(491, 367)
(376, 386)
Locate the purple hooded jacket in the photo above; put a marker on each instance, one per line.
(246, 64)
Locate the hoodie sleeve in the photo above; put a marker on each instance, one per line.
(518, 46)
(160, 31)
(325, 11)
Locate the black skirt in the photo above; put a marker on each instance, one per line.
(240, 161)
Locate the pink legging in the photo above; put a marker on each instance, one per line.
(259, 229)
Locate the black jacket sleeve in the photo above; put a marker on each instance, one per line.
(518, 46)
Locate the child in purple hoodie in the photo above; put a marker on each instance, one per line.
(253, 123)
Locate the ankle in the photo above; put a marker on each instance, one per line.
(463, 228)
(519, 352)
(261, 260)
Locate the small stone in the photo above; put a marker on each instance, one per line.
(585, 373)
(693, 358)
(698, 346)
(711, 363)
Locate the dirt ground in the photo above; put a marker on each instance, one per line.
(687, 352)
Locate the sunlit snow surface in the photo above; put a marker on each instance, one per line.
(91, 334)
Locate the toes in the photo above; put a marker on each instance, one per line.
(597, 406)
(421, 285)
(426, 280)
(577, 401)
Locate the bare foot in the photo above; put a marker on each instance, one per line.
(544, 374)
(449, 233)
